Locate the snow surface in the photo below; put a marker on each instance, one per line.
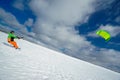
(34, 62)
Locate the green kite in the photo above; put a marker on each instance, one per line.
(104, 34)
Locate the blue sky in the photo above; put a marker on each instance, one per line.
(69, 28)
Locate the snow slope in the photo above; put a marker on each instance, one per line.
(34, 62)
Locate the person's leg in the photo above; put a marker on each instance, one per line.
(14, 44)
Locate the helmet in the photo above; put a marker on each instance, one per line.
(11, 31)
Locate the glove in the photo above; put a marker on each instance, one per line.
(18, 37)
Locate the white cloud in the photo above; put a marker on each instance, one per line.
(67, 12)
(19, 4)
(92, 34)
(108, 58)
(56, 20)
(29, 22)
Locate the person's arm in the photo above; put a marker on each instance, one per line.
(14, 36)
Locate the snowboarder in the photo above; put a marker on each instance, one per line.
(11, 37)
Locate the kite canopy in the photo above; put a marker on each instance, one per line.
(104, 34)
